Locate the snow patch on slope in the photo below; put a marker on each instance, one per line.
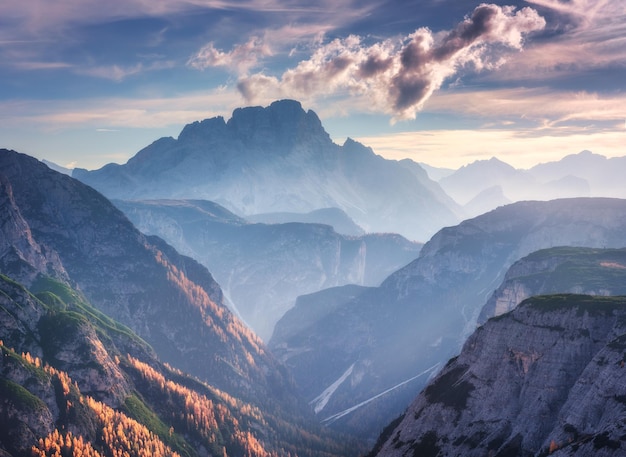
(321, 400)
(339, 415)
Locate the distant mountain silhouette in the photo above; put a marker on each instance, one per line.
(577, 175)
(603, 175)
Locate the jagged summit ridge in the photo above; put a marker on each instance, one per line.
(280, 159)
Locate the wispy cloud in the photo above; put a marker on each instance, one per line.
(591, 34)
(541, 107)
(118, 113)
(399, 76)
(33, 65)
(37, 17)
(119, 73)
(239, 60)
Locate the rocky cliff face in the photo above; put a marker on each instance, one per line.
(168, 300)
(279, 158)
(546, 378)
(390, 339)
(559, 270)
(263, 268)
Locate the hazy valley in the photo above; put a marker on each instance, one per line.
(253, 288)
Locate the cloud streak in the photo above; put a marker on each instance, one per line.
(240, 60)
(541, 107)
(518, 147)
(398, 76)
(592, 35)
(36, 17)
(117, 113)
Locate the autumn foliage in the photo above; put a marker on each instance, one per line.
(204, 417)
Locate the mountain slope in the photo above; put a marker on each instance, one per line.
(75, 380)
(168, 300)
(279, 159)
(263, 268)
(398, 333)
(559, 270)
(546, 378)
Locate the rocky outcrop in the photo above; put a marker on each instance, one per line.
(397, 334)
(546, 378)
(277, 159)
(19, 252)
(263, 268)
(559, 270)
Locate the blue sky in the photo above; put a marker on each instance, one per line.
(85, 82)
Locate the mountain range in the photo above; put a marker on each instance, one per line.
(422, 313)
(280, 159)
(486, 184)
(102, 324)
(557, 358)
(113, 335)
(263, 268)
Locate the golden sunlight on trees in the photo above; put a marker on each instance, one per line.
(125, 437)
(117, 434)
(58, 445)
(207, 418)
(198, 296)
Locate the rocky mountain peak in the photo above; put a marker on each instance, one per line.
(203, 130)
(280, 125)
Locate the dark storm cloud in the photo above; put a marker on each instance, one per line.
(467, 32)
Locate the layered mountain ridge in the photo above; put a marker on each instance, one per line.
(263, 268)
(135, 298)
(280, 159)
(486, 184)
(423, 313)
